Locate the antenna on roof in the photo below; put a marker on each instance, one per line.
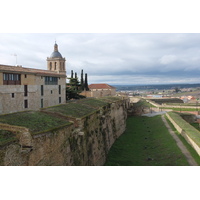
(15, 57)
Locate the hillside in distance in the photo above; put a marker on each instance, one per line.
(154, 87)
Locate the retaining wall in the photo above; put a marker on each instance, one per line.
(185, 135)
(85, 142)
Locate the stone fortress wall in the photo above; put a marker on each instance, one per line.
(85, 142)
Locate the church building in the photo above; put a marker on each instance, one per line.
(24, 89)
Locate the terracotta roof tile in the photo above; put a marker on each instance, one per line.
(100, 86)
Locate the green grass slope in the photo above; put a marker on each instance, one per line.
(146, 142)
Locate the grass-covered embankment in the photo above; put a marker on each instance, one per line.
(83, 107)
(35, 121)
(54, 118)
(192, 132)
(167, 101)
(183, 104)
(143, 103)
(146, 142)
(188, 146)
(6, 137)
(180, 109)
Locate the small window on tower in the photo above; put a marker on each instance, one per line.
(55, 65)
(13, 95)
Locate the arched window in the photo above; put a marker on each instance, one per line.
(50, 65)
(63, 66)
(55, 65)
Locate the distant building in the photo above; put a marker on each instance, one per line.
(31, 89)
(188, 99)
(99, 90)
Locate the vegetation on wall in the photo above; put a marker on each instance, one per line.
(35, 121)
(6, 136)
(186, 144)
(74, 145)
(79, 108)
(167, 101)
(192, 132)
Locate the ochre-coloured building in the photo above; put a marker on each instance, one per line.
(24, 89)
(99, 90)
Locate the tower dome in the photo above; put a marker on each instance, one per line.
(56, 62)
(56, 53)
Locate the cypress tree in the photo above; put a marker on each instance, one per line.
(72, 74)
(86, 83)
(82, 81)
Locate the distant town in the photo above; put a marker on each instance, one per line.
(189, 93)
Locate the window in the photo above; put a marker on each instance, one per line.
(25, 76)
(11, 79)
(49, 80)
(59, 99)
(26, 103)
(59, 89)
(42, 103)
(50, 65)
(51, 91)
(55, 66)
(42, 90)
(25, 90)
(5, 77)
(13, 95)
(16, 77)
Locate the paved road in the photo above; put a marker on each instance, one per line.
(154, 114)
(187, 154)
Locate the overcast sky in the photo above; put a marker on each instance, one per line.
(114, 58)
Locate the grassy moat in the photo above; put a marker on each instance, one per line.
(146, 142)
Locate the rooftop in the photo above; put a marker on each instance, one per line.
(56, 53)
(20, 69)
(101, 86)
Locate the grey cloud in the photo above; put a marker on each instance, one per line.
(113, 57)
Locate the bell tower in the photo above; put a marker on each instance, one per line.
(56, 62)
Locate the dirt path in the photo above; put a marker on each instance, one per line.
(187, 154)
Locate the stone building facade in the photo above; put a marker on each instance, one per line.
(24, 89)
(99, 90)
